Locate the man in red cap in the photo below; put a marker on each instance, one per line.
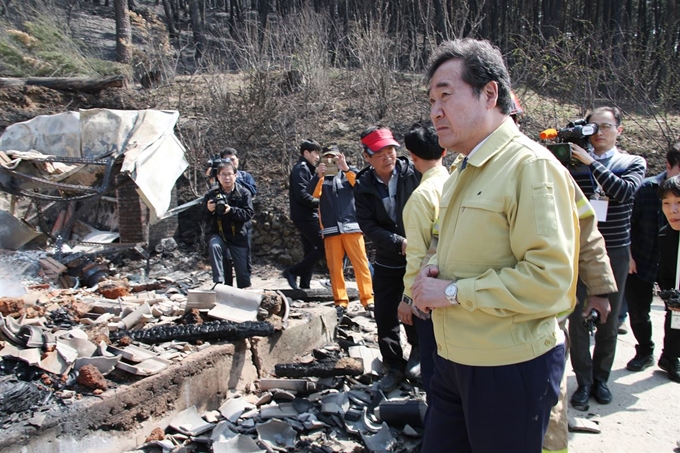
(380, 193)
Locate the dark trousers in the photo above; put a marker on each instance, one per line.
(639, 295)
(428, 349)
(671, 338)
(388, 286)
(312, 245)
(222, 256)
(598, 367)
(492, 409)
(249, 232)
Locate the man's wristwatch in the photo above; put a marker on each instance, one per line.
(451, 293)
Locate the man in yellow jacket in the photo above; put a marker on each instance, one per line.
(505, 266)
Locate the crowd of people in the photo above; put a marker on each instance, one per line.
(497, 268)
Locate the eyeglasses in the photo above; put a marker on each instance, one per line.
(604, 127)
(224, 175)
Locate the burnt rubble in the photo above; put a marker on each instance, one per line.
(49, 336)
(206, 331)
(332, 414)
(325, 400)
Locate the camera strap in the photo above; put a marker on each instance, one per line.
(675, 314)
(219, 227)
(599, 200)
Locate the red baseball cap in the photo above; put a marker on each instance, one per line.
(377, 140)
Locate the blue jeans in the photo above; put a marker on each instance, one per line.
(222, 255)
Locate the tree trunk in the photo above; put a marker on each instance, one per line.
(123, 31)
(197, 26)
(440, 25)
(80, 84)
(169, 20)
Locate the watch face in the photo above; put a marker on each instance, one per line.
(451, 291)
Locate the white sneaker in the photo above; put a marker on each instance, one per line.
(326, 284)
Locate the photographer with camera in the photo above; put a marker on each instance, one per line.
(609, 179)
(333, 186)
(242, 177)
(646, 221)
(228, 211)
(669, 192)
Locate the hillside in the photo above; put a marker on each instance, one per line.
(265, 111)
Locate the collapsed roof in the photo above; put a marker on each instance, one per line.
(76, 155)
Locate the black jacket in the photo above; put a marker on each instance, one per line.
(374, 220)
(668, 249)
(302, 205)
(236, 222)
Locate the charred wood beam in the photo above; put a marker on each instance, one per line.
(78, 84)
(346, 366)
(15, 188)
(208, 331)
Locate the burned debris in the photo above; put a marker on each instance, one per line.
(97, 335)
(206, 331)
(325, 401)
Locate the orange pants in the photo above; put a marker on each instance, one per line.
(353, 245)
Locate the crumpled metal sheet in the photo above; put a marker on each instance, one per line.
(152, 154)
(57, 135)
(15, 233)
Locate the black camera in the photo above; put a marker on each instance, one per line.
(671, 298)
(590, 320)
(577, 132)
(220, 203)
(214, 162)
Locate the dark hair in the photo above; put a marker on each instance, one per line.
(309, 145)
(228, 152)
(613, 110)
(225, 163)
(671, 186)
(673, 155)
(423, 142)
(482, 63)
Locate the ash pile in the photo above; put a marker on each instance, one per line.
(325, 402)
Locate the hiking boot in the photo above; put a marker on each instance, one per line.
(671, 366)
(640, 362)
(391, 380)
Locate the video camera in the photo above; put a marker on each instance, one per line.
(577, 132)
(213, 162)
